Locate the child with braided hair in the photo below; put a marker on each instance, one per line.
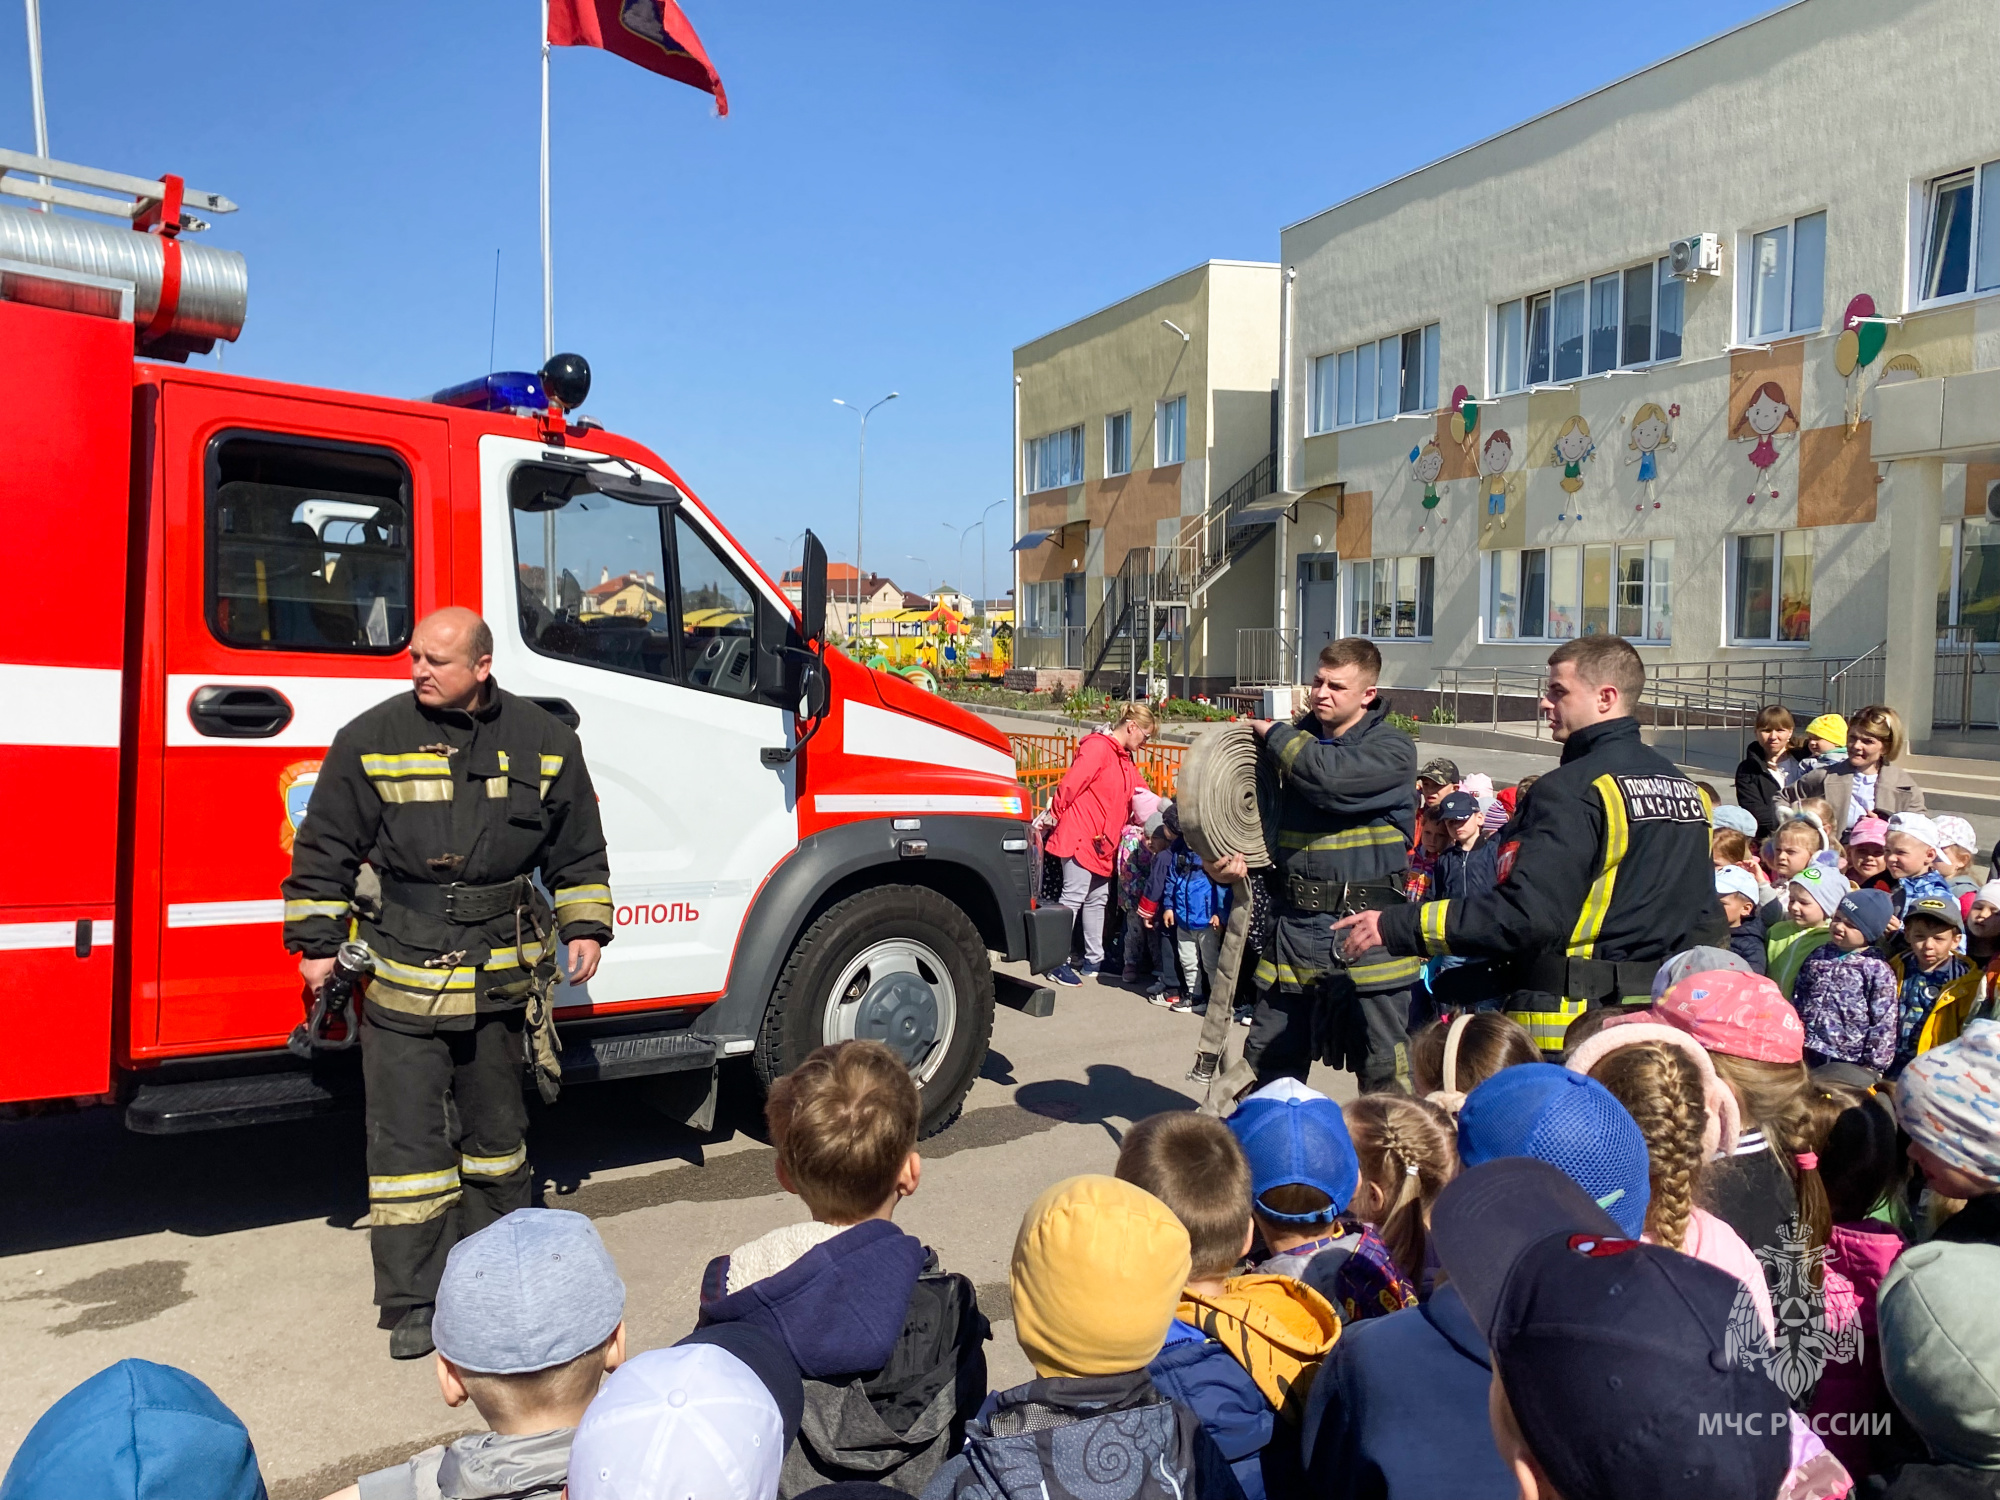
(1407, 1151)
(1685, 1112)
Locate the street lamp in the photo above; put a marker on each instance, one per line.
(861, 484)
(1003, 500)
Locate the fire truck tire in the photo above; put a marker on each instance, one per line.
(913, 970)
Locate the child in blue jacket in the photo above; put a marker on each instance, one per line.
(1194, 907)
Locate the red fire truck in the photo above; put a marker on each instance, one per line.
(204, 576)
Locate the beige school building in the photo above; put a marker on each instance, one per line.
(1709, 358)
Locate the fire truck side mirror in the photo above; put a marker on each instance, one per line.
(812, 588)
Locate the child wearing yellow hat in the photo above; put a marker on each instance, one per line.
(1097, 1273)
(1826, 743)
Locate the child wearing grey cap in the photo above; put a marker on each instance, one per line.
(530, 1318)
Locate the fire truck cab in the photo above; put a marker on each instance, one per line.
(205, 576)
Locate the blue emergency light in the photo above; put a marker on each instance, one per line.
(506, 390)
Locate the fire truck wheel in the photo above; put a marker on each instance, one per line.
(901, 965)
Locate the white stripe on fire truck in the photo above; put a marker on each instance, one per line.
(866, 730)
(854, 802)
(224, 913)
(320, 706)
(75, 707)
(16, 936)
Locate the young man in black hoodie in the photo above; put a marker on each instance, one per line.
(891, 1347)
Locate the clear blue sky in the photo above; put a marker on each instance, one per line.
(901, 194)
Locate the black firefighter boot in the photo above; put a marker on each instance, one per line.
(411, 1337)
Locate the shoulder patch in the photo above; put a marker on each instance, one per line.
(1661, 799)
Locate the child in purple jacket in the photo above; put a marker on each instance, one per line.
(1846, 992)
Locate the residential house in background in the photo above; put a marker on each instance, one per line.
(1138, 429)
(1709, 358)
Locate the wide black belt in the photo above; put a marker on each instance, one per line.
(466, 905)
(1589, 978)
(1341, 897)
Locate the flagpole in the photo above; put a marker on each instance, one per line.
(35, 87)
(548, 264)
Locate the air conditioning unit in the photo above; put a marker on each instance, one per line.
(1696, 256)
(1993, 499)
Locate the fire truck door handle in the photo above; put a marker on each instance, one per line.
(559, 709)
(231, 711)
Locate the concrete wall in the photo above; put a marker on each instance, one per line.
(1846, 106)
(1122, 358)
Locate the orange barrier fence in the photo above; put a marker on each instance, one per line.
(1040, 760)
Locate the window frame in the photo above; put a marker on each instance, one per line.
(1657, 589)
(1029, 447)
(1923, 219)
(211, 536)
(1951, 573)
(1732, 600)
(1550, 298)
(1425, 338)
(1109, 419)
(1746, 280)
(1353, 597)
(1161, 407)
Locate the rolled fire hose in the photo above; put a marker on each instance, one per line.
(1221, 814)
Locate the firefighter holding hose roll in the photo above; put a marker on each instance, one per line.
(457, 794)
(1606, 875)
(1346, 817)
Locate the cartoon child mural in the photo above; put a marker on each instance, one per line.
(1766, 413)
(1494, 457)
(1573, 450)
(1426, 463)
(1652, 430)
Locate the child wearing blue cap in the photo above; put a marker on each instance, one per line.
(1304, 1175)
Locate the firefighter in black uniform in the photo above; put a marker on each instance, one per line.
(1604, 875)
(1346, 816)
(456, 794)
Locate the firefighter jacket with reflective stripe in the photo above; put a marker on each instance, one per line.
(441, 797)
(1347, 813)
(1608, 860)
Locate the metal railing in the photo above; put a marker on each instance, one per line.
(1049, 646)
(1152, 579)
(1041, 761)
(1265, 657)
(1960, 664)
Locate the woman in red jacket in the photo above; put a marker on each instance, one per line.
(1090, 807)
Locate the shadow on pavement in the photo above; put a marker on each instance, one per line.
(1110, 1093)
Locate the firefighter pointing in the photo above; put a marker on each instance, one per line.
(457, 794)
(1610, 872)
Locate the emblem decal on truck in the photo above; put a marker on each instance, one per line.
(295, 786)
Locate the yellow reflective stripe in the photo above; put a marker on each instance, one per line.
(516, 958)
(1266, 974)
(413, 1184)
(1548, 1027)
(1286, 975)
(1430, 922)
(298, 911)
(422, 1002)
(414, 791)
(1375, 835)
(419, 1211)
(585, 911)
(419, 763)
(1386, 972)
(494, 1166)
(1707, 802)
(411, 976)
(1617, 839)
(570, 893)
(552, 766)
(1289, 751)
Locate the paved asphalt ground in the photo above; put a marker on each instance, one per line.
(242, 1256)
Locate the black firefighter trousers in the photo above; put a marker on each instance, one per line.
(447, 1147)
(1338, 1023)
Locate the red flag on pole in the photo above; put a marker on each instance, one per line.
(652, 33)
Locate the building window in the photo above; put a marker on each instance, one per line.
(1771, 585)
(1785, 279)
(1626, 318)
(1118, 443)
(1055, 460)
(1375, 381)
(1969, 579)
(1558, 593)
(1390, 597)
(1170, 432)
(1042, 614)
(1962, 235)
